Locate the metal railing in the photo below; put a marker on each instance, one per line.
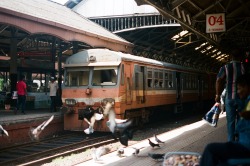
(127, 22)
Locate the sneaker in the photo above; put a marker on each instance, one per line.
(213, 124)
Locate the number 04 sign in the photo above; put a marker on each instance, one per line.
(215, 23)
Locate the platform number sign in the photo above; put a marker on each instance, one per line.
(215, 23)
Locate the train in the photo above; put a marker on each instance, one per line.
(139, 87)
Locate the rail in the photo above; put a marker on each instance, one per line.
(37, 153)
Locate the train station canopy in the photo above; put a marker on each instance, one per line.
(36, 24)
(215, 26)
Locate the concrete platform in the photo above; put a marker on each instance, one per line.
(8, 117)
(190, 138)
(18, 125)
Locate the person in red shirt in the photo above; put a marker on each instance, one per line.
(22, 93)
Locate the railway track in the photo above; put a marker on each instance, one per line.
(37, 153)
(44, 151)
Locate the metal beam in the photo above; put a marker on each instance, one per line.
(3, 27)
(204, 11)
(177, 3)
(243, 6)
(233, 27)
(167, 13)
(194, 5)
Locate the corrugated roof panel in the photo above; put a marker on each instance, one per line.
(61, 15)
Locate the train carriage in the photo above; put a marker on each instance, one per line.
(138, 86)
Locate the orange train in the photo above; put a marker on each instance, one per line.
(138, 86)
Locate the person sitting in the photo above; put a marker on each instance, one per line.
(218, 153)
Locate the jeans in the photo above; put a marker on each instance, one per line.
(53, 104)
(21, 101)
(217, 153)
(232, 106)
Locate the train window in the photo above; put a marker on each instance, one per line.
(161, 79)
(77, 78)
(186, 81)
(190, 81)
(170, 84)
(150, 74)
(161, 75)
(150, 78)
(194, 82)
(157, 84)
(169, 80)
(158, 79)
(166, 75)
(150, 84)
(156, 74)
(104, 76)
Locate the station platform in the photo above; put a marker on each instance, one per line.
(8, 117)
(189, 138)
(18, 125)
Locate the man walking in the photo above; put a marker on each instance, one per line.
(22, 93)
(228, 74)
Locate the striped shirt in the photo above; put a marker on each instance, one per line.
(231, 72)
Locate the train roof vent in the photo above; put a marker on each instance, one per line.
(92, 59)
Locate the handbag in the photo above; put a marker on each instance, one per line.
(212, 115)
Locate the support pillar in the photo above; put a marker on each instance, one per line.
(13, 60)
(59, 62)
(53, 55)
(75, 47)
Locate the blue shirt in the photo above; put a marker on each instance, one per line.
(243, 128)
(231, 72)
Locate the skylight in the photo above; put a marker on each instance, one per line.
(182, 33)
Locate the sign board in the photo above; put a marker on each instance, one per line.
(215, 23)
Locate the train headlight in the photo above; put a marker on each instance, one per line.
(70, 102)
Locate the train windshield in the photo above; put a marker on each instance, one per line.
(104, 76)
(77, 77)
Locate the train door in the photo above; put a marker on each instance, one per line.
(128, 83)
(140, 83)
(179, 95)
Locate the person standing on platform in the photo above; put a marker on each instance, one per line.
(228, 74)
(22, 93)
(218, 153)
(53, 86)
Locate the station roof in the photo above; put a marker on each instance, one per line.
(191, 14)
(192, 45)
(34, 21)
